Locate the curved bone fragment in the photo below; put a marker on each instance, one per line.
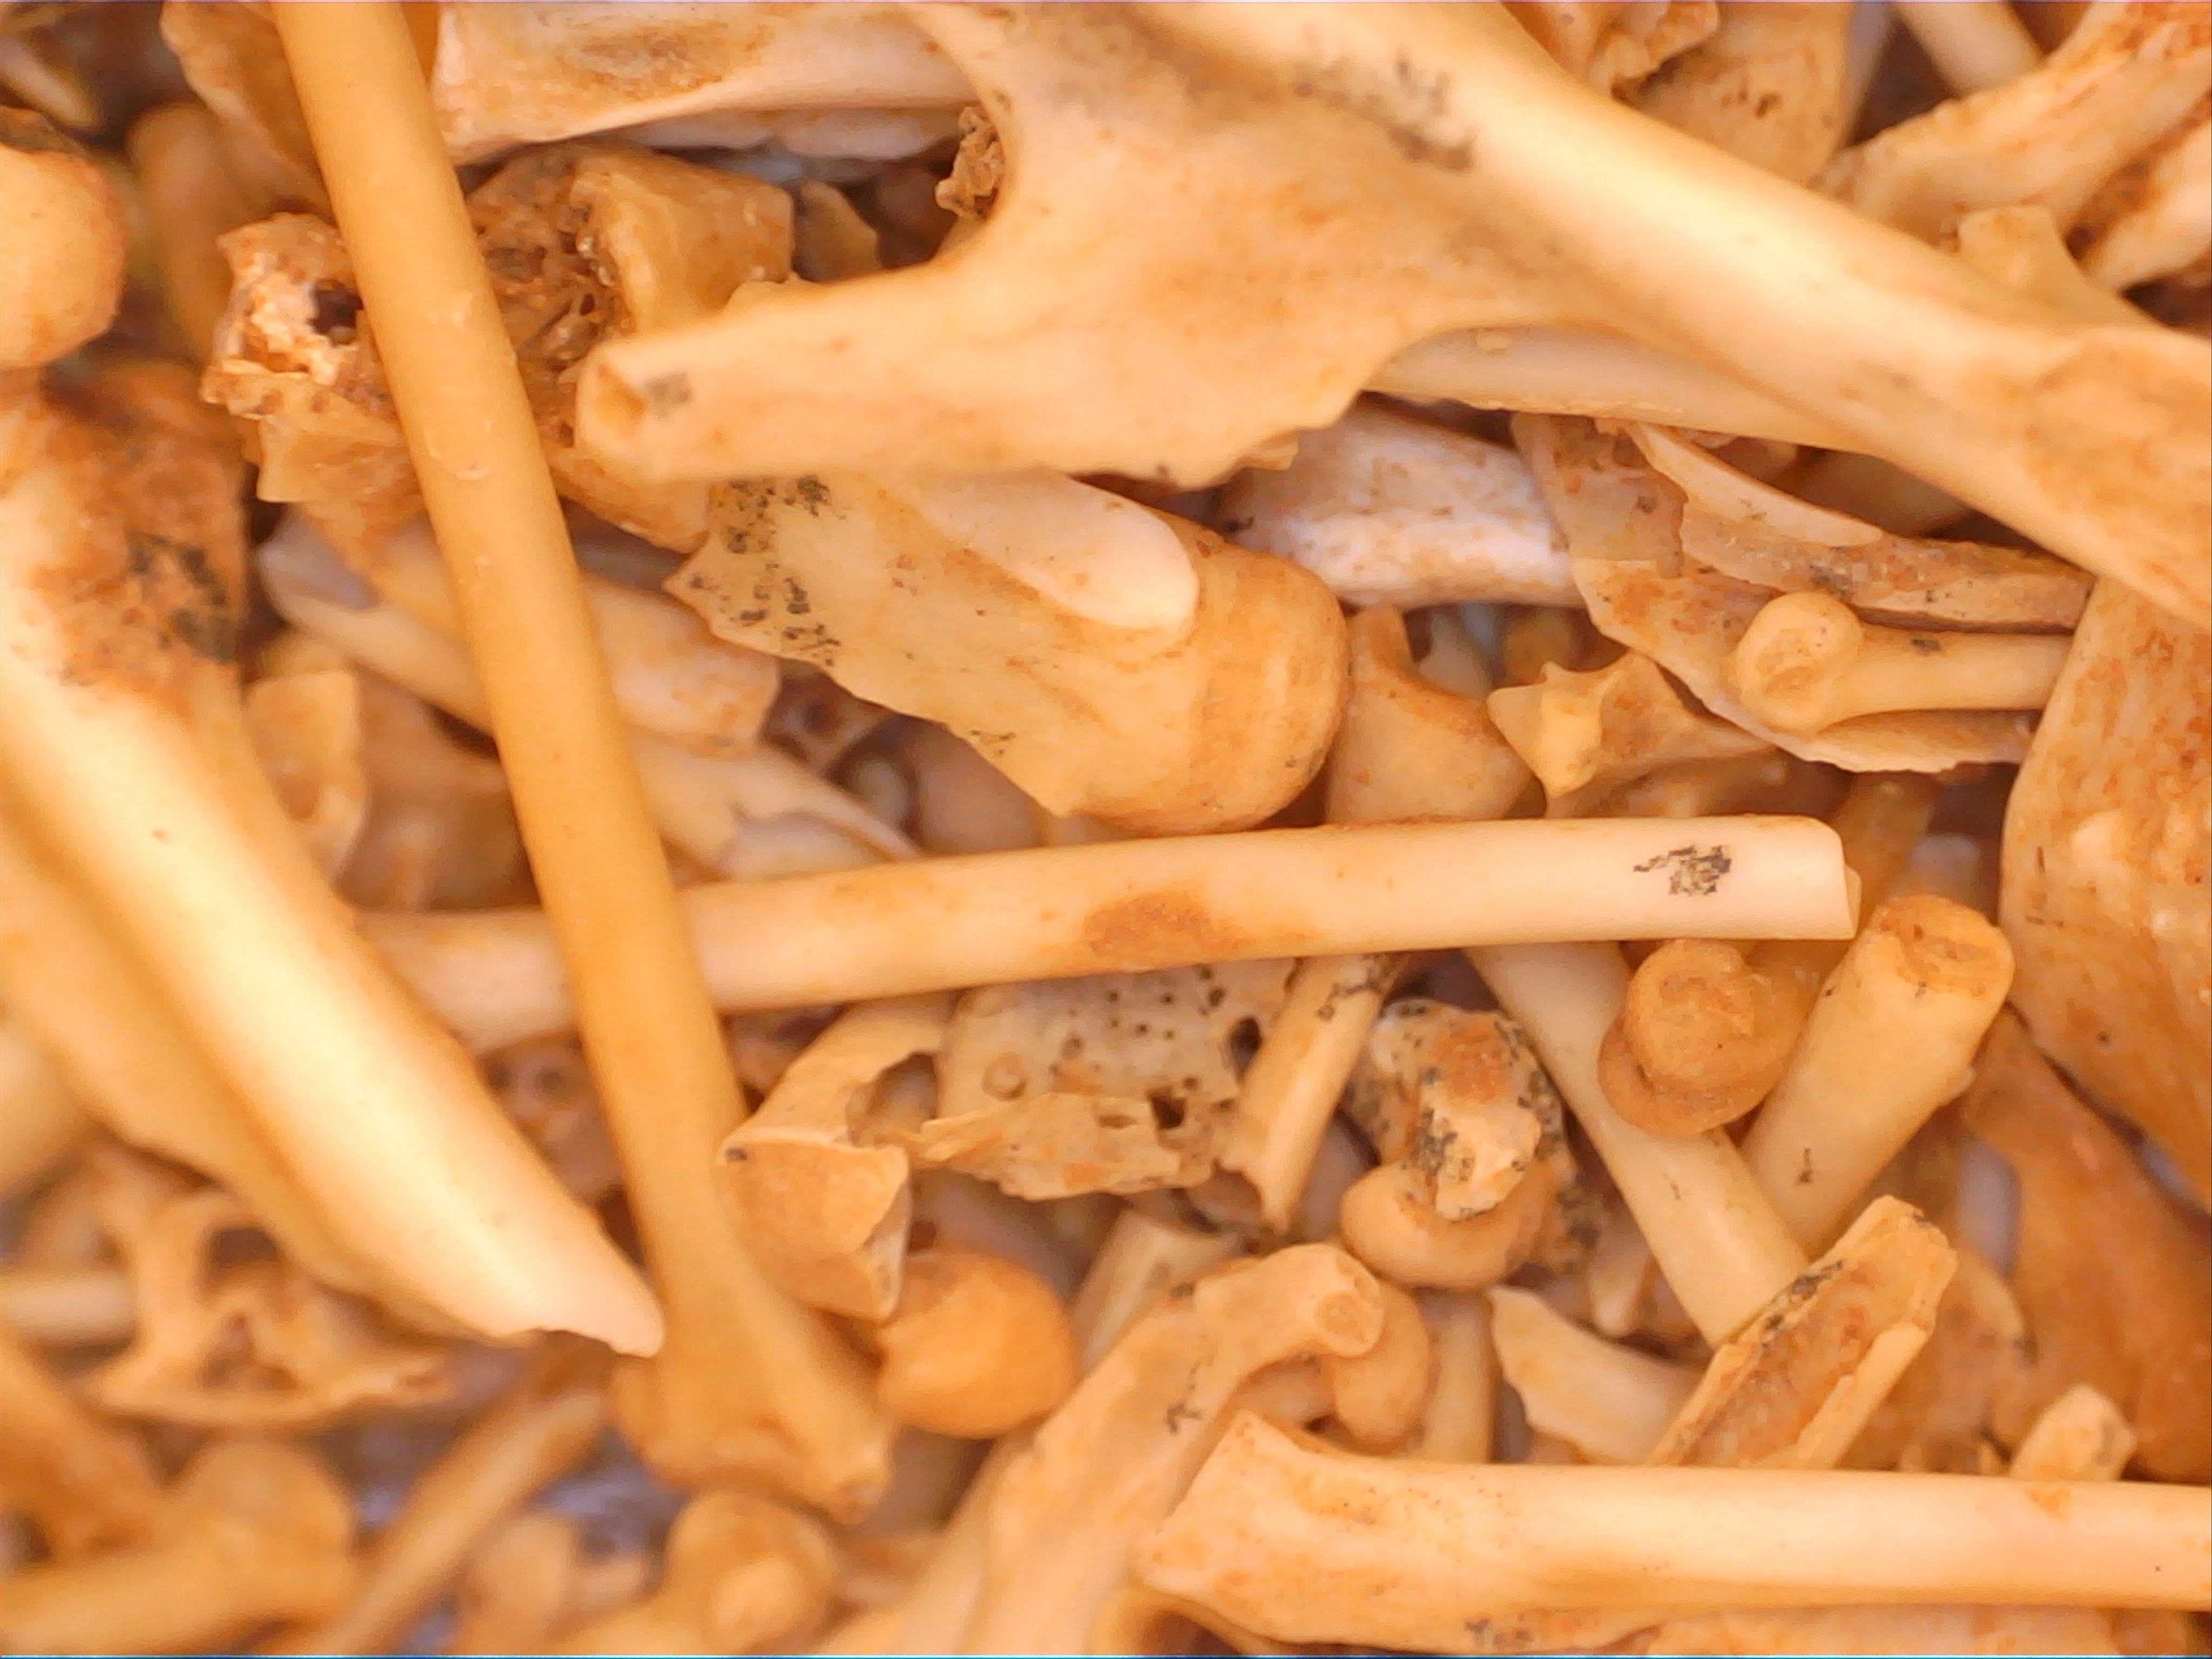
(2108, 834)
(121, 725)
(826, 1212)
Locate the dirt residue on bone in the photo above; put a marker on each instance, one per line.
(1155, 929)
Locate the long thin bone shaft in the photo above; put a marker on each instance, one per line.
(1128, 906)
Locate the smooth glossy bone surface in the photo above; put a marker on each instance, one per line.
(1806, 662)
(999, 918)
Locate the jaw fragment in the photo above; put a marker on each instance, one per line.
(1644, 231)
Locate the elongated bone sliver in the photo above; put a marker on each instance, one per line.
(1554, 371)
(1127, 906)
(1309, 1544)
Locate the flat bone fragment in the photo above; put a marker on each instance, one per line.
(1647, 232)
(1392, 511)
(1123, 1083)
(1794, 1389)
(1757, 533)
(2108, 834)
(1614, 47)
(1768, 84)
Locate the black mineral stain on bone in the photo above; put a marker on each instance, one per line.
(1692, 871)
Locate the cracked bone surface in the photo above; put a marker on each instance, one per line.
(1590, 212)
(1123, 907)
(1306, 1544)
(1109, 659)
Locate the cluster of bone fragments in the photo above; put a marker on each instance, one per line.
(1105, 828)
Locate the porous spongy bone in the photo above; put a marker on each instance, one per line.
(1109, 659)
(584, 242)
(1286, 169)
(528, 74)
(256, 1346)
(2108, 833)
(1461, 1097)
(1121, 1083)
